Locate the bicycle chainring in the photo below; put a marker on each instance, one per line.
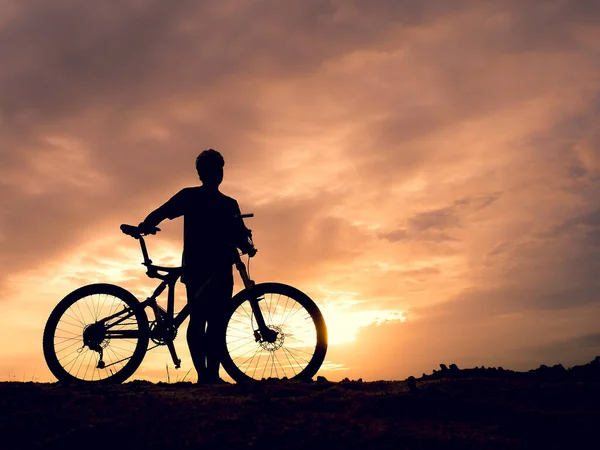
(161, 334)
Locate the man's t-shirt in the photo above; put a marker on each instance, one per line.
(210, 230)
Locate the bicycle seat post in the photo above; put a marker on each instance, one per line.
(147, 260)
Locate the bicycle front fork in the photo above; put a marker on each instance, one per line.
(263, 333)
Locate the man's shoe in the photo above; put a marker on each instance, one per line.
(203, 379)
(217, 380)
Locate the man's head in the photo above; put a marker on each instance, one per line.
(209, 165)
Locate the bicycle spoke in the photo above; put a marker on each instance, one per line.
(293, 357)
(80, 360)
(241, 330)
(283, 366)
(274, 366)
(292, 313)
(73, 324)
(264, 370)
(237, 348)
(86, 303)
(258, 359)
(86, 371)
(291, 351)
(68, 346)
(66, 339)
(83, 359)
(73, 317)
(236, 340)
(288, 312)
(117, 356)
(66, 356)
(69, 354)
(72, 361)
(96, 307)
(268, 308)
(65, 331)
(289, 362)
(244, 322)
(102, 306)
(248, 314)
(278, 298)
(285, 307)
(77, 313)
(252, 359)
(249, 360)
(81, 314)
(119, 348)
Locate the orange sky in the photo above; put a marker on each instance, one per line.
(429, 172)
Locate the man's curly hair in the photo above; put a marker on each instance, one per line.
(209, 160)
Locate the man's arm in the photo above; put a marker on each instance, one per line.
(243, 234)
(173, 208)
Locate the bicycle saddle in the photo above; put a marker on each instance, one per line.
(135, 232)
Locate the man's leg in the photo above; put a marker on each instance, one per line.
(196, 332)
(220, 300)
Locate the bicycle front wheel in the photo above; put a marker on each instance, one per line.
(96, 334)
(297, 351)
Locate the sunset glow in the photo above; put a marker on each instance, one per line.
(427, 172)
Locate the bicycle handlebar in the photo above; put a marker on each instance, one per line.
(136, 233)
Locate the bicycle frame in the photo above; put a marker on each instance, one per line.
(166, 321)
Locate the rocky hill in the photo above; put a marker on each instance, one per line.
(451, 408)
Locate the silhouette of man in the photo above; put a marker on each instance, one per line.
(211, 233)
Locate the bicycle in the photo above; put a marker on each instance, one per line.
(100, 333)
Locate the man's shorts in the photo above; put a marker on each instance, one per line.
(210, 291)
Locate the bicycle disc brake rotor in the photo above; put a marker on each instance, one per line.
(271, 345)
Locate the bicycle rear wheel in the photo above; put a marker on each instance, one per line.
(301, 343)
(76, 335)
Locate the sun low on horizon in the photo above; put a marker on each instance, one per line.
(427, 172)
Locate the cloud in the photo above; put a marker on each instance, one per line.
(586, 343)
(433, 157)
(431, 226)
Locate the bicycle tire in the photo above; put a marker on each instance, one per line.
(93, 298)
(301, 358)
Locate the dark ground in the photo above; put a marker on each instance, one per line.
(549, 408)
